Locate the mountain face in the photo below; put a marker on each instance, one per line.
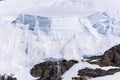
(97, 27)
(27, 39)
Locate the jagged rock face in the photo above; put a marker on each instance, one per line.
(111, 57)
(51, 70)
(4, 77)
(97, 72)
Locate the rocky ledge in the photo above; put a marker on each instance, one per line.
(51, 70)
(110, 57)
(80, 78)
(97, 72)
(87, 73)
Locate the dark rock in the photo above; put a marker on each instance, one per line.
(5, 77)
(112, 71)
(76, 78)
(51, 70)
(97, 72)
(111, 57)
(80, 78)
(11, 78)
(91, 72)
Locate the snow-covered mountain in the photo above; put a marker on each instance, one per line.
(57, 29)
(27, 39)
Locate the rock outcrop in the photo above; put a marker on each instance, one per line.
(111, 57)
(97, 72)
(80, 78)
(87, 73)
(5, 77)
(51, 70)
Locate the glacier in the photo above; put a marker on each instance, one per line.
(42, 22)
(27, 39)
